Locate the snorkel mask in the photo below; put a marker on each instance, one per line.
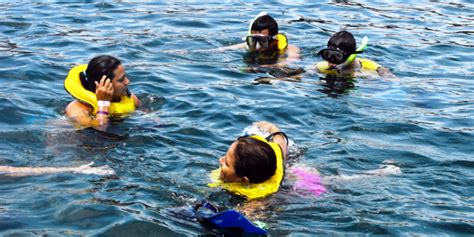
(341, 58)
(256, 42)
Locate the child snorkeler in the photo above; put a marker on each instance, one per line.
(341, 58)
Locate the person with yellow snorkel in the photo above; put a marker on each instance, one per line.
(101, 92)
(265, 43)
(340, 58)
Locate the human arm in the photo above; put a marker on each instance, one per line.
(230, 47)
(82, 113)
(277, 138)
(386, 73)
(33, 171)
(293, 54)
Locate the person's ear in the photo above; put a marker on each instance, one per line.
(245, 179)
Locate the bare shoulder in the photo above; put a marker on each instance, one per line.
(293, 48)
(80, 113)
(76, 107)
(293, 52)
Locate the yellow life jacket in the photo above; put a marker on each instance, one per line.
(74, 87)
(254, 190)
(366, 64)
(282, 43)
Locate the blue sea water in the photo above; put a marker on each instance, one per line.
(197, 102)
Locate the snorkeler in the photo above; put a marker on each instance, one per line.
(267, 45)
(101, 92)
(341, 57)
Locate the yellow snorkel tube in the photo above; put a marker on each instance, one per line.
(352, 57)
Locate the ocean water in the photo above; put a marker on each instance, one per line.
(196, 102)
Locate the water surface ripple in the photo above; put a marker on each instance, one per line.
(196, 103)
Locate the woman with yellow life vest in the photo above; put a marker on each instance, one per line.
(253, 166)
(340, 57)
(101, 92)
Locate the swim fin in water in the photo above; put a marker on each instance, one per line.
(228, 222)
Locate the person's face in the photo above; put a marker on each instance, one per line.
(120, 83)
(227, 166)
(272, 45)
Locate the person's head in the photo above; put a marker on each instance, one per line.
(340, 46)
(112, 68)
(262, 34)
(248, 160)
(343, 40)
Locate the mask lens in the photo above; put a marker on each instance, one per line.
(262, 40)
(333, 56)
(251, 42)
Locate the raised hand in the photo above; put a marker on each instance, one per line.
(104, 89)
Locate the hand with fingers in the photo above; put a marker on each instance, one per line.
(104, 89)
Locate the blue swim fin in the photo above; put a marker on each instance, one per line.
(230, 221)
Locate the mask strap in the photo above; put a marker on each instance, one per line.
(254, 19)
(270, 137)
(85, 75)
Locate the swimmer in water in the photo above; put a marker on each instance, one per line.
(265, 44)
(254, 167)
(340, 58)
(101, 90)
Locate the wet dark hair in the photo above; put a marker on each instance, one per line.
(266, 22)
(97, 67)
(254, 159)
(343, 40)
